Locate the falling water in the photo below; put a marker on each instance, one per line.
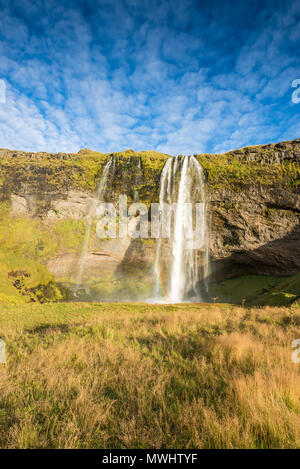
(165, 192)
(183, 270)
(98, 197)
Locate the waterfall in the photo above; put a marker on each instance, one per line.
(165, 192)
(98, 197)
(183, 268)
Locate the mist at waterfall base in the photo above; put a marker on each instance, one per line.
(179, 272)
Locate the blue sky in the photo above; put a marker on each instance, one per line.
(177, 76)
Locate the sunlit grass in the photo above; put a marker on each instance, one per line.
(142, 376)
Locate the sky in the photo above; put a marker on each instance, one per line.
(176, 76)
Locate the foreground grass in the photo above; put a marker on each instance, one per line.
(141, 376)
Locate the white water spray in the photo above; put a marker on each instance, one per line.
(184, 266)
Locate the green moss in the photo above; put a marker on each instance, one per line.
(64, 171)
(257, 290)
(25, 237)
(250, 165)
(243, 288)
(37, 240)
(25, 245)
(70, 234)
(286, 291)
(23, 280)
(258, 164)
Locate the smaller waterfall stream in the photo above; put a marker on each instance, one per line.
(98, 197)
(165, 192)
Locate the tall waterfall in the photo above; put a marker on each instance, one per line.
(182, 184)
(98, 197)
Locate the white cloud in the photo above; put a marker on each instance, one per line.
(122, 82)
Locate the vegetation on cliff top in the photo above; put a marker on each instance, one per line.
(65, 171)
(262, 164)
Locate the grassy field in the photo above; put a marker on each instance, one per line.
(149, 376)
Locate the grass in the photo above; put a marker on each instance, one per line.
(149, 376)
(258, 290)
(285, 292)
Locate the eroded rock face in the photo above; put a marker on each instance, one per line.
(19, 205)
(73, 204)
(253, 193)
(254, 196)
(255, 231)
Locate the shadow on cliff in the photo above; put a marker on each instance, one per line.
(278, 259)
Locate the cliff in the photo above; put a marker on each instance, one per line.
(255, 208)
(254, 213)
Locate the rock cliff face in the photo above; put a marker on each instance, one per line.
(253, 194)
(256, 231)
(255, 209)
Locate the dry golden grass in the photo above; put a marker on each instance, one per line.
(149, 376)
